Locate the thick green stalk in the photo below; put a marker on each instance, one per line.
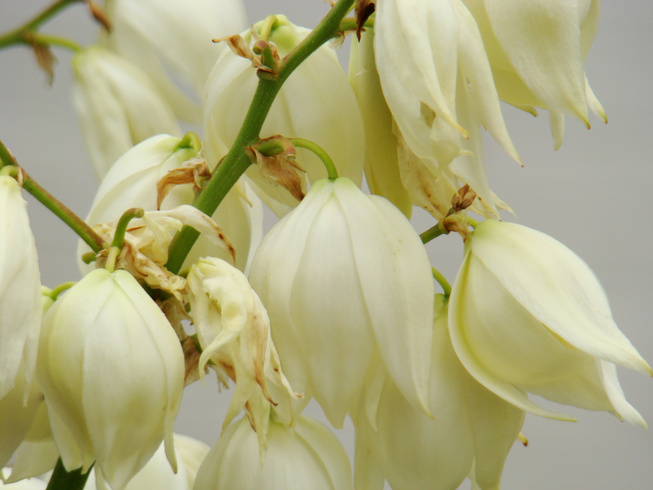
(237, 160)
(64, 480)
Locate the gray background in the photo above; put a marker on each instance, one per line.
(593, 195)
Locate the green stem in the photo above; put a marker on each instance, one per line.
(350, 24)
(433, 232)
(64, 480)
(17, 36)
(123, 223)
(471, 222)
(63, 212)
(320, 152)
(237, 161)
(62, 42)
(442, 281)
(270, 22)
(64, 286)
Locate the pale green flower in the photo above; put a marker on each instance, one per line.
(528, 315)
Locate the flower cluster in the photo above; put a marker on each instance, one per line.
(337, 301)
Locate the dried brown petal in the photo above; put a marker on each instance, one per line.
(192, 172)
(364, 8)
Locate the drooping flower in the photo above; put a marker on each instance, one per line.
(112, 371)
(470, 434)
(409, 136)
(117, 104)
(537, 52)
(172, 42)
(344, 277)
(233, 330)
(132, 183)
(315, 103)
(306, 455)
(20, 291)
(528, 315)
(440, 50)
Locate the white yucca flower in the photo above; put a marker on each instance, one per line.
(528, 315)
(20, 291)
(118, 106)
(306, 455)
(172, 42)
(112, 372)
(355, 284)
(537, 50)
(470, 434)
(132, 183)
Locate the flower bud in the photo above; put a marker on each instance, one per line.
(132, 183)
(112, 370)
(528, 315)
(355, 283)
(20, 291)
(117, 104)
(172, 42)
(470, 434)
(315, 103)
(306, 455)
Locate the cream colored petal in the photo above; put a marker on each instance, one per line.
(543, 42)
(556, 287)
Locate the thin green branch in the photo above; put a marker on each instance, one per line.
(321, 154)
(442, 281)
(123, 223)
(17, 36)
(62, 42)
(433, 232)
(63, 212)
(237, 160)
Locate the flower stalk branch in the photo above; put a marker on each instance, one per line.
(63, 212)
(22, 34)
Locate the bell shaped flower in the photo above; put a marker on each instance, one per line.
(132, 183)
(355, 283)
(315, 103)
(537, 51)
(172, 42)
(118, 106)
(233, 330)
(470, 434)
(20, 292)
(34, 484)
(528, 315)
(306, 455)
(112, 371)
(442, 60)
